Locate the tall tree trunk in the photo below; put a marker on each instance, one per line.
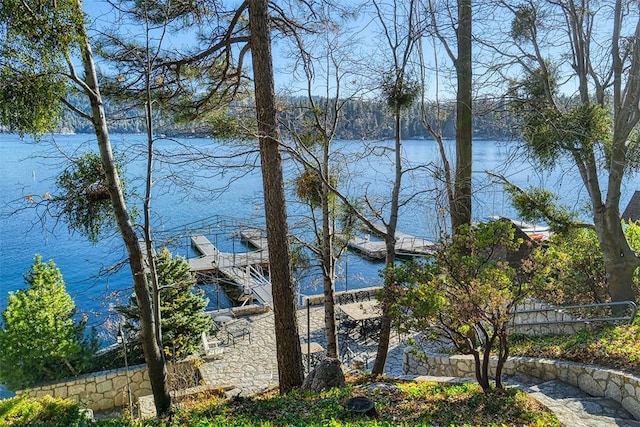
(152, 351)
(620, 261)
(288, 350)
(151, 261)
(328, 258)
(461, 203)
(390, 257)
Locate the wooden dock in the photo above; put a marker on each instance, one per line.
(255, 238)
(241, 268)
(406, 245)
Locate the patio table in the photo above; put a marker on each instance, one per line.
(365, 315)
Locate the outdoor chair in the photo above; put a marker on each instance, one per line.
(346, 298)
(361, 296)
(371, 329)
(221, 333)
(238, 329)
(211, 349)
(346, 325)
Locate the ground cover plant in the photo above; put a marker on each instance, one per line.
(615, 347)
(44, 412)
(409, 403)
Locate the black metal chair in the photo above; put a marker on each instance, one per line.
(370, 329)
(346, 298)
(361, 296)
(238, 329)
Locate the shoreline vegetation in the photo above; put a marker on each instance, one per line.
(375, 121)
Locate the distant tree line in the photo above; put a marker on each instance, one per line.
(362, 119)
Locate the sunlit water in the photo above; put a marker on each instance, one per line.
(29, 169)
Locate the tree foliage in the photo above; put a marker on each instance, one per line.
(632, 231)
(40, 340)
(468, 295)
(17, 106)
(182, 309)
(596, 127)
(399, 90)
(31, 45)
(85, 203)
(540, 205)
(551, 133)
(308, 187)
(571, 270)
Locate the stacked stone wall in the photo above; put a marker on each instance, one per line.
(100, 390)
(535, 318)
(596, 381)
(108, 389)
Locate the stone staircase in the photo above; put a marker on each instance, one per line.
(572, 406)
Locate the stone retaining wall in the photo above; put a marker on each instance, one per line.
(108, 389)
(594, 380)
(534, 318)
(100, 390)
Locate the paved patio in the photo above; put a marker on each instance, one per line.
(250, 365)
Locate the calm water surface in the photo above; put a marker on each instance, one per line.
(212, 203)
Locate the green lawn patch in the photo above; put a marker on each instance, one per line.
(410, 404)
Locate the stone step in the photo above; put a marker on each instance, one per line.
(573, 406)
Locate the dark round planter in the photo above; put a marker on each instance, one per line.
(361, 405)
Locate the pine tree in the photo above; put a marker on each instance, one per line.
(40, 340)
(183, 316)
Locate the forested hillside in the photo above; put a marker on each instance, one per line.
(367, 119)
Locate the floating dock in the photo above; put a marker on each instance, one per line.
(255, 238)
(406, 245)
(244, 268)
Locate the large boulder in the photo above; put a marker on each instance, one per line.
(328, 374)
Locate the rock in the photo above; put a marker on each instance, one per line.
(326, 375)
(381, 386)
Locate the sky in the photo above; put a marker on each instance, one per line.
(101, 15)
(360, 52)
(363, 49)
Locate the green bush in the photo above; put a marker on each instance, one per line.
(43, 412)
(571, 270)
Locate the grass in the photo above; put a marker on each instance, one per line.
(408, 404)
(412, 403)
(615, 347)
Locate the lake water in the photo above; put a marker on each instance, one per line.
(215, 201)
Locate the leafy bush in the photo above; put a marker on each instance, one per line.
(44, 412)
(571, 270)
(468, 294)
